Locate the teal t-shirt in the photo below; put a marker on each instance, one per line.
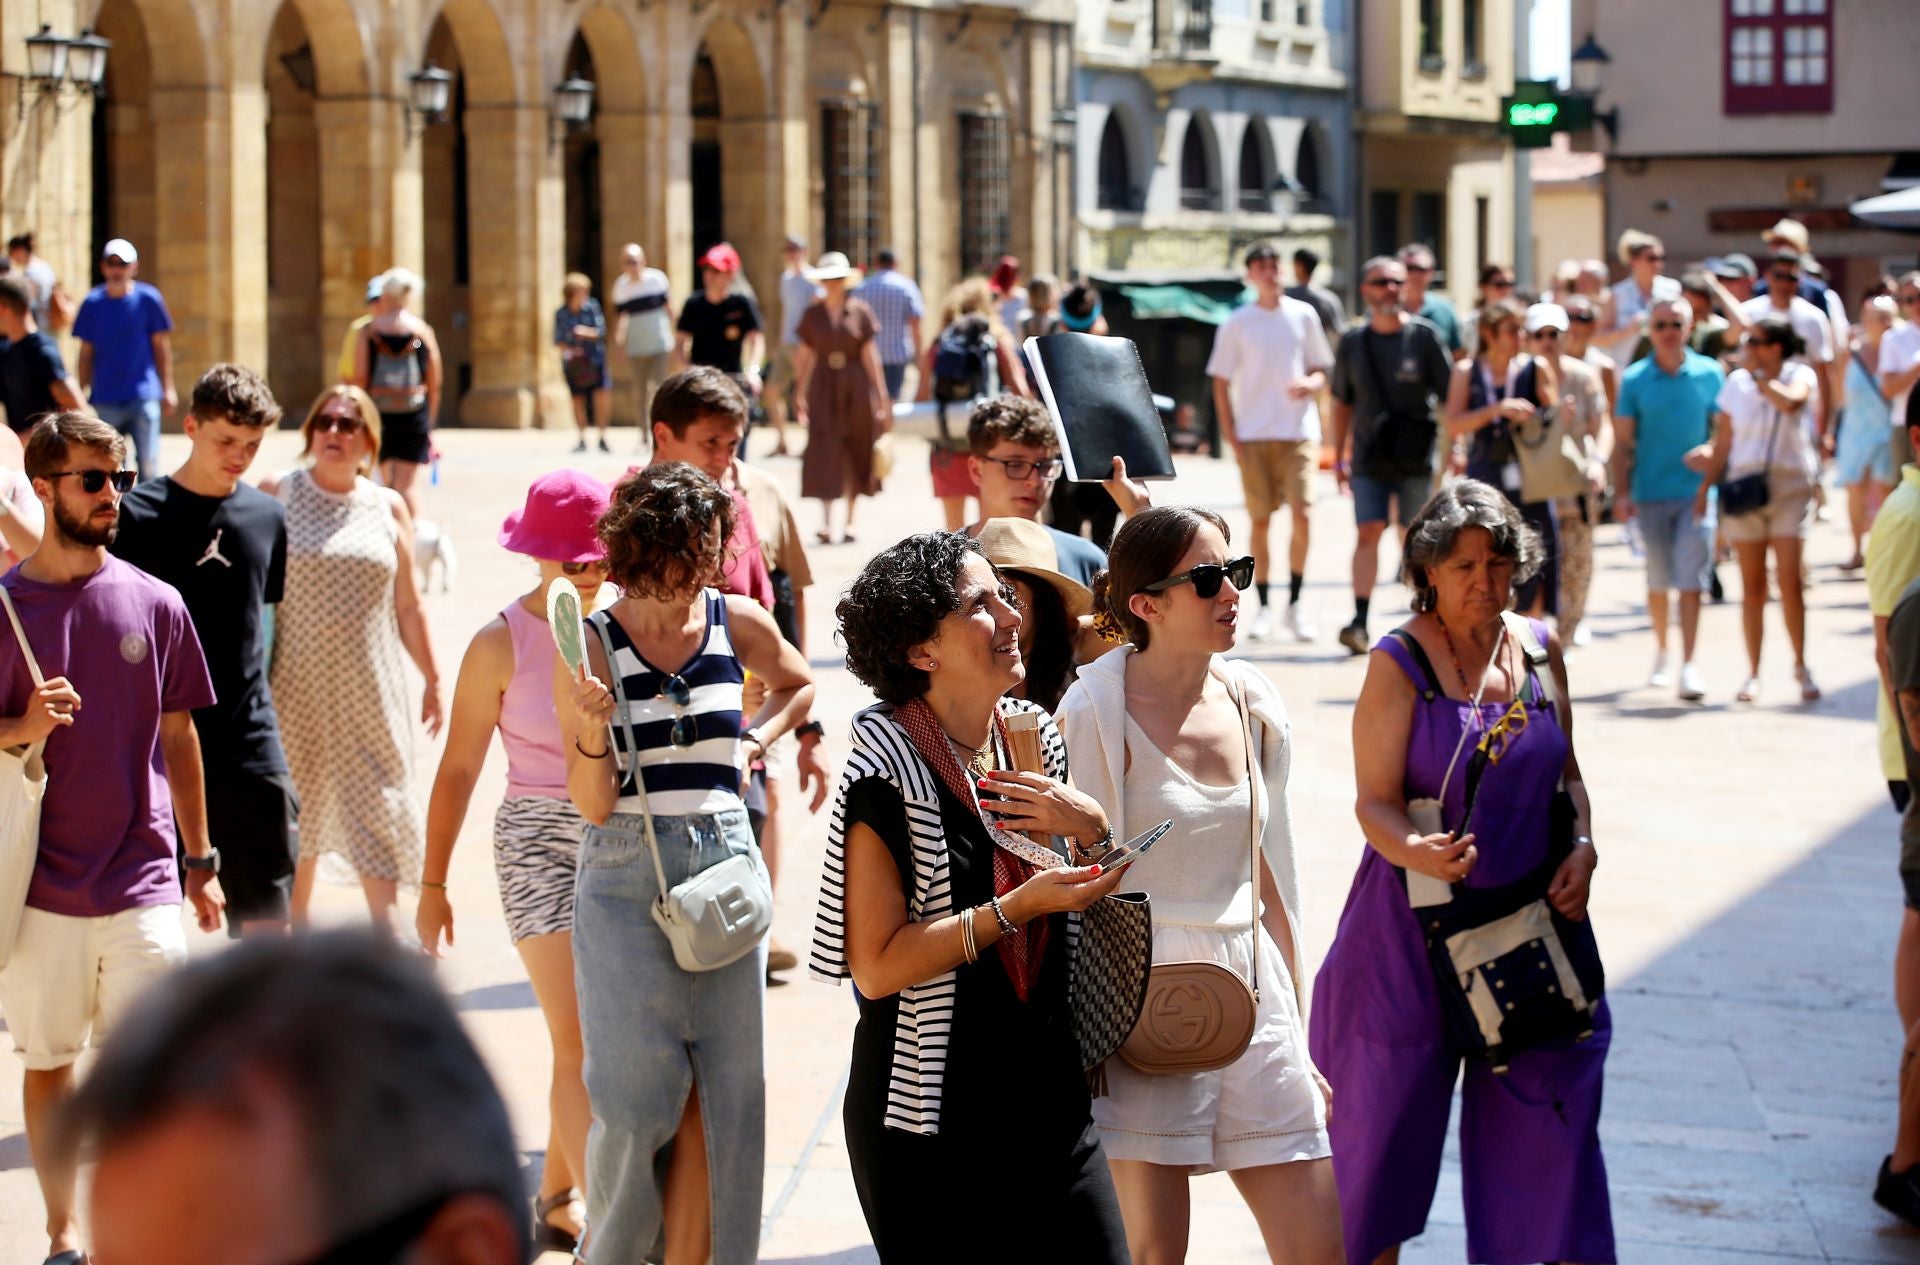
(1672, 413)
(1439, 313)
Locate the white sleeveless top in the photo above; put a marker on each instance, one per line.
(1198, 874)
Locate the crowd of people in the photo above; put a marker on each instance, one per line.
(1043, 698)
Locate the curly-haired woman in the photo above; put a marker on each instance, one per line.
(674, 1064)
(954, 929)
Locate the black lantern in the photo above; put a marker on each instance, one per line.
(429, 91)
(87, 60)
(573, 101)
(47, 57)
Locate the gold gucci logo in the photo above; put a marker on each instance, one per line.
(1180, 1017)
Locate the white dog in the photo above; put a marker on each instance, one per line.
(433, 547)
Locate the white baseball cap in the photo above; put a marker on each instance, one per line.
(1546, 316)
(120, 248)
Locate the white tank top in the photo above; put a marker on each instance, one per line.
(1197, 875)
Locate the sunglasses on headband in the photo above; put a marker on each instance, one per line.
(1207, 578)
(91, 481)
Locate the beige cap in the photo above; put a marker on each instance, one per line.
(1019, 544)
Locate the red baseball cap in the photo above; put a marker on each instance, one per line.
(721, 258)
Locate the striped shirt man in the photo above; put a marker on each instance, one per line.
(895, 301)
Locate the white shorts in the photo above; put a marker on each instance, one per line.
(1262, 1109)
(70, 980)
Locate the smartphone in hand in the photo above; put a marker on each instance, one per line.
(1135, 848)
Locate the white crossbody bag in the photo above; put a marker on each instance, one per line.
(717, 916)
(23, 784)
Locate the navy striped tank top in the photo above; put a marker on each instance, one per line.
(681, 781)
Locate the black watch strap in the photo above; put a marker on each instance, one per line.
(812, 729)
(210, 862)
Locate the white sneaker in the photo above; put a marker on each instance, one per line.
(1661, 677)
(1693, 686)
(1583, 635)
(1296, 623)
(1262, 626)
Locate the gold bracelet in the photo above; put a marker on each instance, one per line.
(436, 886)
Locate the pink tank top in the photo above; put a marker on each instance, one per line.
(529, 726)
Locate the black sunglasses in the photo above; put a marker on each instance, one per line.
(91, 481)
(685, 731)
(1666, 325)
(1578, 319)
(337, 422)
(1207, 577)
(581, 568)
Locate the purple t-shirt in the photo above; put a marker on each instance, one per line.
(124, 640)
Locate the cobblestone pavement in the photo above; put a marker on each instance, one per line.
(1747, 902)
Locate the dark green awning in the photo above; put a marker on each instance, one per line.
(1167, 302)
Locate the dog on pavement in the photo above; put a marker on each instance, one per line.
(433, 548)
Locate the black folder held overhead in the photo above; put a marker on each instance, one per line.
(1096, 389)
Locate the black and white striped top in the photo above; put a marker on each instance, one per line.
(680, 781)
(880, 748)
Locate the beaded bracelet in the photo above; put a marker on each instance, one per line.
(1006, 926)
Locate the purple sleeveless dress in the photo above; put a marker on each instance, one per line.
(1533, 1179)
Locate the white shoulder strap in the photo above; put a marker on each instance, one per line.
(599, 622)
(26, 647)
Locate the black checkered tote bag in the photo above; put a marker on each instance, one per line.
(1110, 973)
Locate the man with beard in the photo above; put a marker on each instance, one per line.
(102, 916)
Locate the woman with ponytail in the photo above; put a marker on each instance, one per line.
(1168, 728)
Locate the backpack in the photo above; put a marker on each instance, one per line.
(398, 384)
(963, 361)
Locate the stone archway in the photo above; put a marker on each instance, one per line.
(125, 180)
(483, 295)
(296, 365)
(734, 168)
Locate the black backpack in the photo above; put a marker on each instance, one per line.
(963, 361)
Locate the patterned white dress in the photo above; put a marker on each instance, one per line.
(346, 714)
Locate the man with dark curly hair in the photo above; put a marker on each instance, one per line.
(1015, 458)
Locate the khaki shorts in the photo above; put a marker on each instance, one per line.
(1788, 515)
(1277, 472)
(779, 375)
(70, 980)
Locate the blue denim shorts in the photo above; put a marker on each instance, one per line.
(1679, 546)
(1372, 497)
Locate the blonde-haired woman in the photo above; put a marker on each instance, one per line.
(580, 332)
(973, 356)
(397, 363)
(350, 610)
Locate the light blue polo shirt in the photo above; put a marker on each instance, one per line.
(1672, 413)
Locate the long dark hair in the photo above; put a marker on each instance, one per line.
(1051, 657)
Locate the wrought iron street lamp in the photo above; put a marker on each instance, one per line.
(429, 92)
(47, 58)
(87, 60)
(572, 107)
(1589, 66)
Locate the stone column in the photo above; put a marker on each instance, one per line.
(506, 157)
(626, 200)
(210, 223)
(46, 150)
(365, 198)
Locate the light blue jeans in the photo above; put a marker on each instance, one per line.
(653, 1032)
(139, 421)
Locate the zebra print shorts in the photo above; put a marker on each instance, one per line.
(536, 849)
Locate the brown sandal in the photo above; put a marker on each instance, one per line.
(547, 1236)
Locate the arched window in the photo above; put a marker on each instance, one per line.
(1256, 168)
(1116, 191)
(1306, 170)
(1199, 189)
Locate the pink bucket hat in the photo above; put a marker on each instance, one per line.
(557, 522)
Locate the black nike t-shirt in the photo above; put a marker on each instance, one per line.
(228, 558)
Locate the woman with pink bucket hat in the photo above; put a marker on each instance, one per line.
(506, 683)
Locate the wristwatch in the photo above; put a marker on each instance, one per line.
(812, 729)
(210, 862)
